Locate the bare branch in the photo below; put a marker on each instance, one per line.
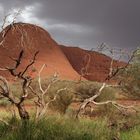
(110, 75)
(41, 103)
(30, 64)
(5, 91)
(6, 23)
(39, 78)
(84, 69)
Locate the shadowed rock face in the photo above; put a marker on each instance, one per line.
(98, 67)
(32, 38)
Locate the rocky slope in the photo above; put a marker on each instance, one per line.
(32, 38)
(66, 61)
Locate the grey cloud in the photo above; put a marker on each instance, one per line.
(115, 22)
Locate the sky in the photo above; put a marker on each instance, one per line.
(82, 23)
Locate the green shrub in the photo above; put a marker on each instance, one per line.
(86, 90)
(62, 102)
(107, 94)
(89, 89)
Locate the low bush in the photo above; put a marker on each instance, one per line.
(89, 89)
(63, 100)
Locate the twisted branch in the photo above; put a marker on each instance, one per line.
(5, 91)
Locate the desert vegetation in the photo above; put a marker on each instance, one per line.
(53, 105)
(48, 107)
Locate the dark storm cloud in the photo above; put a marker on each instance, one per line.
(86, 23)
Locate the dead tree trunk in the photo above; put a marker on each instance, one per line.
(22, 112)
(26, 81)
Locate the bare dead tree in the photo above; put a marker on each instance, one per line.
(26, 81)
(84, 69)
(112, 73)
(41, 103)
